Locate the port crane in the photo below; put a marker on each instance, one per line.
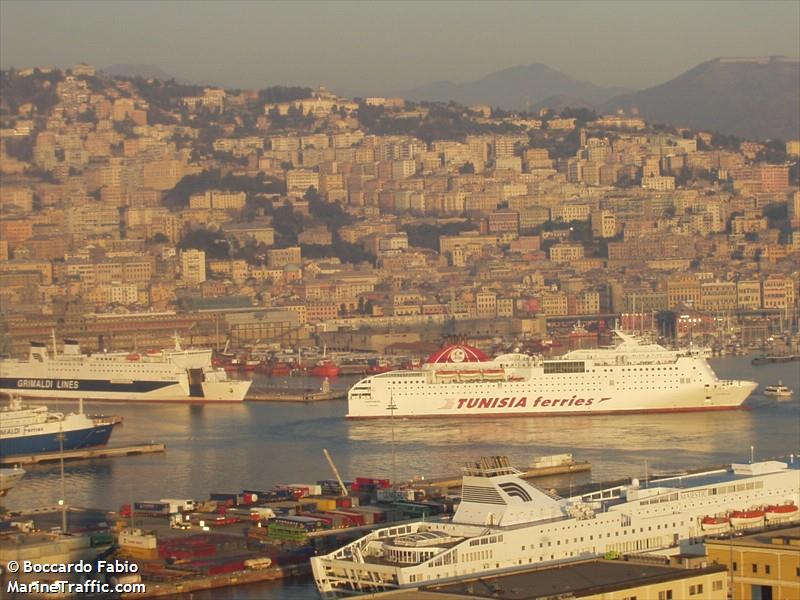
(342, 486)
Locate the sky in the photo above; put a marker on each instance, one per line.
(391, 46)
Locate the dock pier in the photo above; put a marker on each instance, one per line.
(530, 473)
(84, 454)
(295, 396)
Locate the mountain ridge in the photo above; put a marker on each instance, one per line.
(514, 88)
(756, 97)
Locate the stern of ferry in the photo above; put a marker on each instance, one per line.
(232, 390)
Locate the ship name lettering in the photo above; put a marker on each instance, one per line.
(512, 402)
(68, 384)
(574, 401)
(35, 383)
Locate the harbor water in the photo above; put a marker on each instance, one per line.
(219, 448)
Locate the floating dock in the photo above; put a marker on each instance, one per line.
(87, 453)
(295, 396)
(530, 473)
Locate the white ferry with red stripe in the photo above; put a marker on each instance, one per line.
(631, 377)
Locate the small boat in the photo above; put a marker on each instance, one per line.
(778, 391)
(325, 368)
(469, 375)
(779, 358)
(781, 512)
(716, 523)
(446, 375)
(747, 518)
(494, 374)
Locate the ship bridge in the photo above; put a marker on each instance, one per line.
(493, 494)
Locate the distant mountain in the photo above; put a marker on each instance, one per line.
(516, 88)
(133, 70)
(560, 102)
(757, 98)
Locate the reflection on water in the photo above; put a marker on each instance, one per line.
(256, 445)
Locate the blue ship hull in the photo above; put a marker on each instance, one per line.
(48, 442)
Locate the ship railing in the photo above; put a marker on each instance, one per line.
(490, 466)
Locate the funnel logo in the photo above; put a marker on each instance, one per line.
(515, 490)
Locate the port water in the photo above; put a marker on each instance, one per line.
(216, 448)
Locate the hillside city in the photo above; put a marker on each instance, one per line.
(133, 208)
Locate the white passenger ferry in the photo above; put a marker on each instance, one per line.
(504, 522)
(630, 377)
(155, 375)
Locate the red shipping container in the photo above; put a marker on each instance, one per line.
(356, 518)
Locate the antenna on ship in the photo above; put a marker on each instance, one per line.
(751, 454)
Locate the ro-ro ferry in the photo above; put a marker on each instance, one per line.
(504, 522)
(35, 429)
(630, 377)
(156, 375)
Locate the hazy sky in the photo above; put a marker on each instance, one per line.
(384, 45)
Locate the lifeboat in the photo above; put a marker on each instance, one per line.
(715, 523)
(446, 375)
(325, 368)
(747, 518)
(469, 375)
(494, 374)
(781, 512)
(133, 356)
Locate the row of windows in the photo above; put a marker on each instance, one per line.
(696, 589)
(564, 367)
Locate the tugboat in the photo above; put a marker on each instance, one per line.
(778, 391)
(325, 368)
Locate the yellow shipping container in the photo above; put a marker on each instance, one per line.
(324, 504)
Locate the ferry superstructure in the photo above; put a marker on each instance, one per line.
(632, 376)
(33, 429)
(157, 375)
(504, 522)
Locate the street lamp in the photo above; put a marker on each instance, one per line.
(61, 501)
(391, 408)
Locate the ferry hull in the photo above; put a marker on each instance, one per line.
(128, 391)
(48, 442)
(492, 400)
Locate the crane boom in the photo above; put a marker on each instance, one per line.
(342, 486)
